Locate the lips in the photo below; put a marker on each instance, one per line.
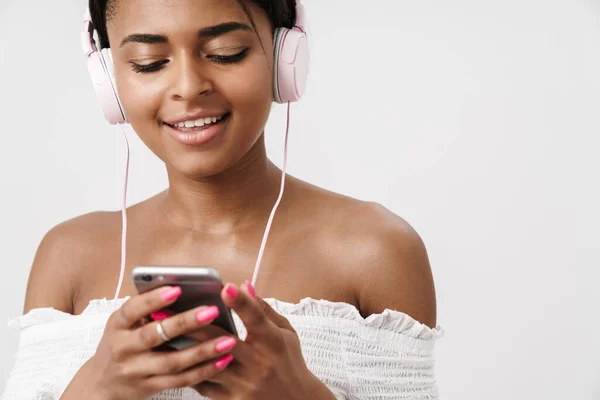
(198, 122)
(200, 117)
(199, 130)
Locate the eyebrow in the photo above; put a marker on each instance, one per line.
(209, 32)
(221, 29)
(146, 38)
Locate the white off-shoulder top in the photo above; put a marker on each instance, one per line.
(384, 356)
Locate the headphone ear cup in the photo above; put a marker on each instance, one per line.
(277, 36)
(116, 107)
(101, 71)
(291, 59)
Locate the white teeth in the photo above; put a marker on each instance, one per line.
(199, 122)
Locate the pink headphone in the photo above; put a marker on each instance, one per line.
(291, 58)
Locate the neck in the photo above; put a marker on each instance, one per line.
(233, 200)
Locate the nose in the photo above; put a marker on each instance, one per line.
(189, 81)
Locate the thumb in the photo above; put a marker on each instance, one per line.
(274, 316)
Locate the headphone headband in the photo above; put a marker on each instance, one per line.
(88, 44)
(300, 22)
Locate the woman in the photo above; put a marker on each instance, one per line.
(350, 302)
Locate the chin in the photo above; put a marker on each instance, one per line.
(227, 149)
(199, 165)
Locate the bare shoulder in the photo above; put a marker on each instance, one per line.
(383, 255)
(396, 273)
(63, 253)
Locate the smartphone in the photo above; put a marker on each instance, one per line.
(200, 286)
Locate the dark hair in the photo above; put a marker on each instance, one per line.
(282, 14)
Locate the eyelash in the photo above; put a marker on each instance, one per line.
(218, 59)
(230, 59)
(148, 68)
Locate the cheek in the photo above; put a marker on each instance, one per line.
(140, 99)
(251, 93)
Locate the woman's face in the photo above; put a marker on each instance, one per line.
(180, 61)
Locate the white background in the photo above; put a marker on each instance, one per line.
(477, 121)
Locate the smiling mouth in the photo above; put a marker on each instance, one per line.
(198, 125)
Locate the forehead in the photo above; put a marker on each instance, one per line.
(175, 15)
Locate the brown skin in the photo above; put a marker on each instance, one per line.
(322, 245)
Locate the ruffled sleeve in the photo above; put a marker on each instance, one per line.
(383, 356)
(52, 347)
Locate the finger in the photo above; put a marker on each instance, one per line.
(233, 377)
(148, 336)
(191, 376)
(248, 309)
(274, 316)
(138, 307)
(271, 314)
(175, 362)
(241, 351)
(207, 333)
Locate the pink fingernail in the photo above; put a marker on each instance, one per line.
(231, 291)
(223, 361)
(159, 315)
(171, 294)
(251, 289)
(225, 345)
(207, 314)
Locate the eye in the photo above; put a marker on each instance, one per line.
(146, 68)
(229, 59)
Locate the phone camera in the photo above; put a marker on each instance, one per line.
(147, 278)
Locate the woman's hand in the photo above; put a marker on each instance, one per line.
(269, 363)
(126, 366)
